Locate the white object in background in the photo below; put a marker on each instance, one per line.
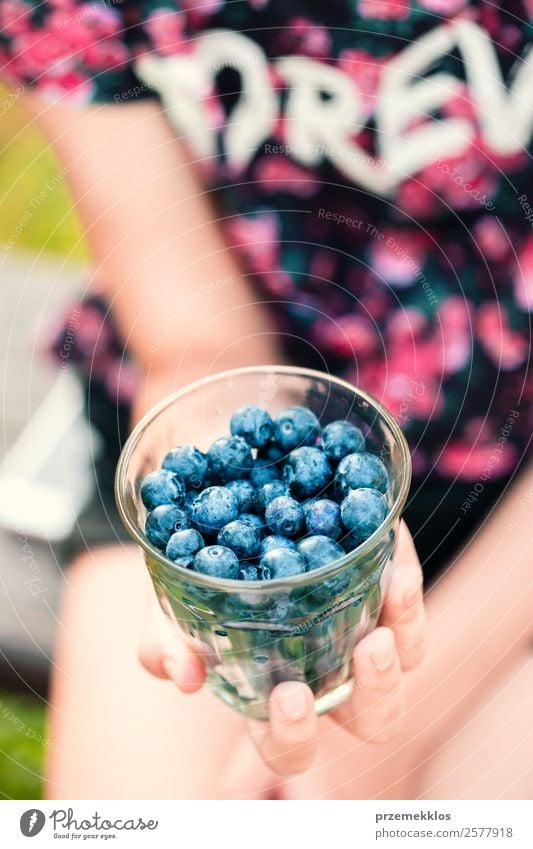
(45, 478)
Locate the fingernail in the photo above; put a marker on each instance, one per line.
(171, 668)
(384, 658)
(412, 594)
(293, 702)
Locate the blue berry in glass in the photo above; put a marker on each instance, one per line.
(323, 518)
(283, 563)
(284, 516)
(362, 512)
(296, 426)
(275, 541)
(189, 463)
(163, 521)
(229, 458)
(361, 470)
(269, 491)
(307, 471)
(341, 438)
(245, 493)
(162, 487)
(184, 543)
(241, 537)
(213, 508)
(320, 550)
(253, 424)
(217, 562)
(263, 471)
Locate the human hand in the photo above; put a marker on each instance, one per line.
(373, 712)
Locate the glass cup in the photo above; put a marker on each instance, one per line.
(255, 634)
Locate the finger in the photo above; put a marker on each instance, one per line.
(164, 655)
(405, 553)
(403, 612)
(287, 743)
(375, 710)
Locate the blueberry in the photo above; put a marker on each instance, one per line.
(307, 471)
(162, 487)
(363, 511)
(361, 470)
(247, 572)
(217, 561)
(253, 424)
(284, 516)
(275, 541)
(263, 471)
(269, 491)
(283, 563)
(213, 508)
(319, 550)
(323, 518)
(163, 521)
(271, 452)
(245, 494)
(184, 544)
(254, 520)
(341, 438)
(189, 463)
(296, 426)
(229, 458)
(241, 537)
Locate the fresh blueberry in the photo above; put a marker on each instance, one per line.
(229, 458)
(284, 516)
(275, 541)
(269, 491)
(162, 487)
(319, 550)
(184, 543)
(307, 471)
(245, 494)
(213, 508)
(296, 426)
(163, 521)
(271, 452)
(361, 470)
(323, 518)
(247, 572)
(189, 463)
(254, 520)
(363, 511)
(241, 537)
(217, 561)
(253, 424)
(283, 563)
(341, 438)
(263, 471)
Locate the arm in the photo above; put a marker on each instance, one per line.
(153, 236)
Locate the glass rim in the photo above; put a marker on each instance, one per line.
(236, 584)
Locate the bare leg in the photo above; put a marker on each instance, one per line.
(491, 755)
(118, 732)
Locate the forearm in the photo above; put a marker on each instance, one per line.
(479, 613)
(176, 289)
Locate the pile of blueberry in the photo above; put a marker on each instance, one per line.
(276, 498)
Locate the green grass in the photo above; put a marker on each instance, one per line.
(26, 165)
(23, 744)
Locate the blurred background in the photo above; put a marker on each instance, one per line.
(42, 266)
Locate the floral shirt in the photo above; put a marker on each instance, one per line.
(372, 159)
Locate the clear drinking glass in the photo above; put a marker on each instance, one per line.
(255, 634)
